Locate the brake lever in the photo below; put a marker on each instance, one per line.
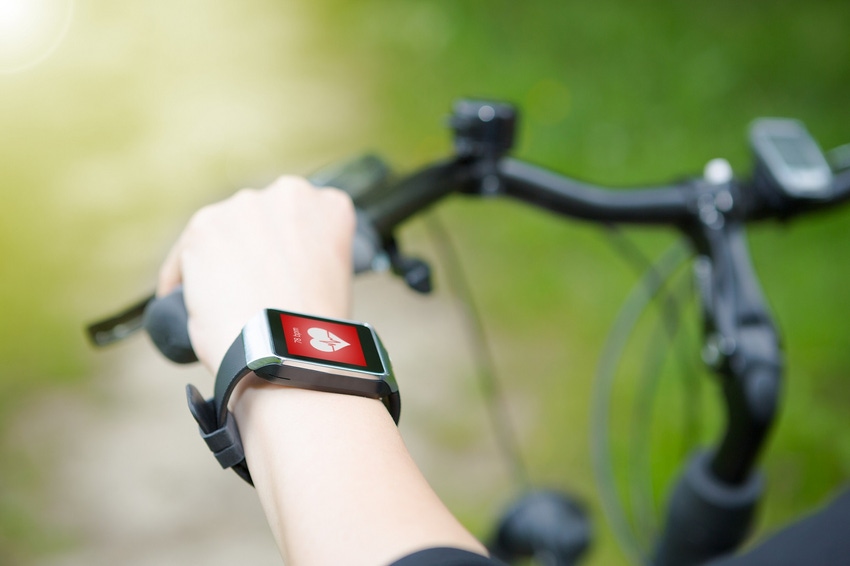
(120, 325)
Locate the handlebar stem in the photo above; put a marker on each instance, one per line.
(483, 129)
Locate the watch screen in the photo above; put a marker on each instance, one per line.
(332, 342)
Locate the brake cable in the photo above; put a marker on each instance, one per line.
(491, 389)
(670, 304)
(641, 295)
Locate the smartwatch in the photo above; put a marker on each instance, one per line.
(295, 350)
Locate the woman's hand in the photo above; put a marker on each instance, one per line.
(331, 471)
(287, 246)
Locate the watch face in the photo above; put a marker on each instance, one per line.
(319, 340)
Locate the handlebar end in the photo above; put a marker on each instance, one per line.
(165, 322)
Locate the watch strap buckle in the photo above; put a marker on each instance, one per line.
(224, 441)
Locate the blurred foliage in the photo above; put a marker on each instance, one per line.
(148, 110)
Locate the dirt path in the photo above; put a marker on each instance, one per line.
(128, 480)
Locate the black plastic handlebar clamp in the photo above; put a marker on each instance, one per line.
(484, 131)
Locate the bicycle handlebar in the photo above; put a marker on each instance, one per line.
(656, 205)
(382, 206)
(711, 212)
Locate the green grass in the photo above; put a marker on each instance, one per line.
(144, 114)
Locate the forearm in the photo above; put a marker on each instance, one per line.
(331, 471)
(336, 481)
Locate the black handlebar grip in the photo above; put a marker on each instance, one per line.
(706, 518)
(166, 322)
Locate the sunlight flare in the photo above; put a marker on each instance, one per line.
(31, 30)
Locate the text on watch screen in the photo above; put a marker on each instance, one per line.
(322, 340)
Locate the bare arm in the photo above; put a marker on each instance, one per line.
(331, 471)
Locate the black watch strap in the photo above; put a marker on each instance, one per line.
(217, 424)
(218, 427)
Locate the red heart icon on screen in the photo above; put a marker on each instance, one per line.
(326, 341)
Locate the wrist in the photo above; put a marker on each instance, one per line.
(261, 407)
(282, 355)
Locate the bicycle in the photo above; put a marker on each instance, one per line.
(712, 504)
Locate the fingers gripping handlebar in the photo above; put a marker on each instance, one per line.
(484, 132)
(166, 319)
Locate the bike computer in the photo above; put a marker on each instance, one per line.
(790, 158)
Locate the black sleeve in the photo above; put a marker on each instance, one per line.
(822, 538)
(445, 557)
